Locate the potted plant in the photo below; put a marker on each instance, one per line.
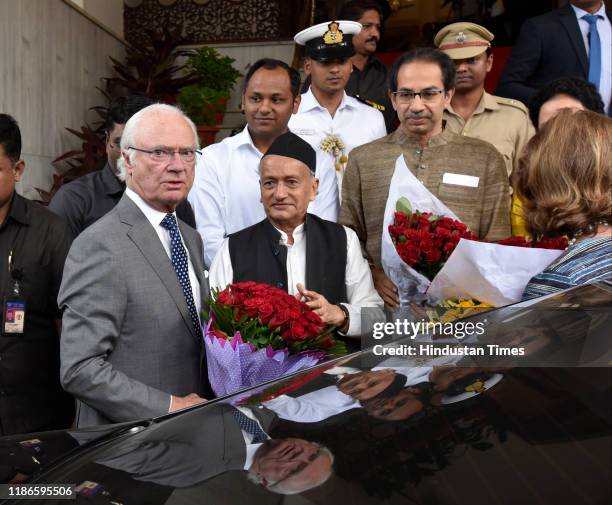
(204, 101)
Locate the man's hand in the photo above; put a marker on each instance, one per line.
(329, 313)
(386, 289)
(182, 402)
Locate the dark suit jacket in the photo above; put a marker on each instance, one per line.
(548, 47)
(127, 341)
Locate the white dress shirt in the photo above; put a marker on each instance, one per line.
(155, 217)
(604, 28)
(226, 196)
(330, 401)
(354, 122)
(250, 447)
(358, 278)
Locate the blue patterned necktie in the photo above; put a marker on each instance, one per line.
(178, 256)
(594, 49)
(250, 426)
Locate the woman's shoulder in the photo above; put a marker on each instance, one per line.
(585, 257)
(589, 260)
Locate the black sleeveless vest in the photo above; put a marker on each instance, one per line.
(257, 255)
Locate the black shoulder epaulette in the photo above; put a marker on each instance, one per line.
(372, 104)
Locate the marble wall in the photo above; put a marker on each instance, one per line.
(52, 57)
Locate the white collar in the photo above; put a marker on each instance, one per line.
(154, 216)
(580, 13)
(244, 139)
(251, 449)
(309, 101)
(298, 235)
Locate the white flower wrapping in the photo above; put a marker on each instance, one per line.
(491, 273)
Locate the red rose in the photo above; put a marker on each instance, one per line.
(295, 332)
(266, 311)
(400, 219)
(225, 297)
(433, 256)
(443, 232)
(552, 243)
(279, 318)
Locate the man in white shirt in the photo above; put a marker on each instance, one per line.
(225, 195)
(328, 119)
(296, 251)
(355, 389)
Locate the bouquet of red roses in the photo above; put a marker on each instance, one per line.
(425, 241)
(256, 332)
(544, 243)
(445, 267)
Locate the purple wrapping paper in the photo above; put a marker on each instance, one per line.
(235, 364)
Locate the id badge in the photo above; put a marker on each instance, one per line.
(13, 316)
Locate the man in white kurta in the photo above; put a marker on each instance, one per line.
(287, 184)
(225, 196)
(332, 122)
(329, 401)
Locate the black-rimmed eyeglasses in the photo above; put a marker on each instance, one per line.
(426, 95)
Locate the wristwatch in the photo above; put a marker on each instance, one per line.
(346, 316)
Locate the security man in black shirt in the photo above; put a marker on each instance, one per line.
(85, 200)
(34, 244)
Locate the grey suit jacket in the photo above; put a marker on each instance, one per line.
(127, 339)
(203, 443)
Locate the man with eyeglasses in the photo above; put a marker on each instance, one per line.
(86, 199)
(134, 283)
(467, 175)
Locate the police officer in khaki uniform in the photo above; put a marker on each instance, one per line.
(473, 112)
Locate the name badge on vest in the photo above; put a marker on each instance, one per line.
(14, 305)
(460, 180)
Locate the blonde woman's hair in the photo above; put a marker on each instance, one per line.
(565, 174)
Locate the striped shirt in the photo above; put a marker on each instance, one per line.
(589, 260)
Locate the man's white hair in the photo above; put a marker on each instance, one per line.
(132, 126)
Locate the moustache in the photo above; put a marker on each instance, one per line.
(372, 39)
(417, 116)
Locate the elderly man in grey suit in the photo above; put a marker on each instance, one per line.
(133, 286)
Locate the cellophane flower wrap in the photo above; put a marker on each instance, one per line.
(255, 332)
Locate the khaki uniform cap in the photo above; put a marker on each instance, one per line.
(463, 40)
